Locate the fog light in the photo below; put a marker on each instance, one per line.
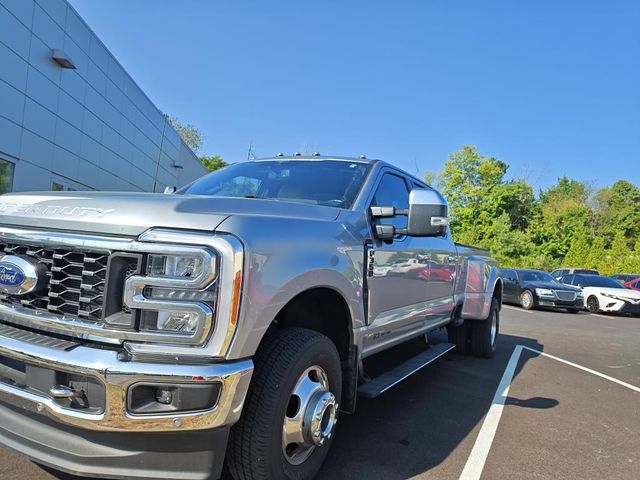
(164, 396)
(155, 398)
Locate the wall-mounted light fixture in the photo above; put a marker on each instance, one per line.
(62, 59)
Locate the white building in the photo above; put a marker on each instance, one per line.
(70, 115)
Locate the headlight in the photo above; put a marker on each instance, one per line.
(579, 295)
(178, 266)
(177, 295)
(608, 295)
(544, 292)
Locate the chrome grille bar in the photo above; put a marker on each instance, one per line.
(75, 284)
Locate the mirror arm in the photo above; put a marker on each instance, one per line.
(385, 232)
(386, 212)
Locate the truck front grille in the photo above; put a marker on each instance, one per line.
(75, 281)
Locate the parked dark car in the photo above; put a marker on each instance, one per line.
(625, 277)
(534, 288)
(558, 273)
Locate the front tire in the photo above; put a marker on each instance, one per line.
(593, 305)
(484, 334)
(526, 300)
(291, 409)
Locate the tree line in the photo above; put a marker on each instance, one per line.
(568, 224)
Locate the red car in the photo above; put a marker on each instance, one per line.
(634, 284)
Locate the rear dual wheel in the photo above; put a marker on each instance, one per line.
(484, 334)
(478, 336)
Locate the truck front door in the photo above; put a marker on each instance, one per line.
(410, 287)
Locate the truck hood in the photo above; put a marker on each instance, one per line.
(130, 214)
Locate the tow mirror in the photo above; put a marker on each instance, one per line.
(428, 214)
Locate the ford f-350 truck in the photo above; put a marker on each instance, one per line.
(228, 323)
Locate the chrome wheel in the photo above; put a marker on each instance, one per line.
(494, 328)
(527, 300)
(310, 417)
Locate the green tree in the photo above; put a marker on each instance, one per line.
(508, 245)
(618, 210)
(517, 200)
(212, 163)
(597, 255)
(579, 248)
(565, 225)
(189, 134)
(619, 258)
(481, 202)
(564, 212)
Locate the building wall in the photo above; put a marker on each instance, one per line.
(88, 128)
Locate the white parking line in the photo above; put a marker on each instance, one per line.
(475, 463)
(601, 316)
(478, 456)
(585, 369)
(509, 307)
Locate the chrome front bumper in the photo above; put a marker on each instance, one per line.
(117, 375)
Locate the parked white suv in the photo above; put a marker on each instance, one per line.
(560, 272)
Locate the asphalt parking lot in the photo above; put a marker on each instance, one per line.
(572, 412)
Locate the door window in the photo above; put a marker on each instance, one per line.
(568, 279)
(509, 275)
(577, 280)
(392, 192)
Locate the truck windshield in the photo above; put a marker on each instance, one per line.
(319, 182)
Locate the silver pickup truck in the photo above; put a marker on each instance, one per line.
(228, 323)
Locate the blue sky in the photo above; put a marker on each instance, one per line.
(552, 88)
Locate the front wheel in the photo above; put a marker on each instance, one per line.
(291, 410)
(526, 300)
(484, 334)
(593, 305)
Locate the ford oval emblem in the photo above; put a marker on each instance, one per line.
(19, 275)
(11, 275)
